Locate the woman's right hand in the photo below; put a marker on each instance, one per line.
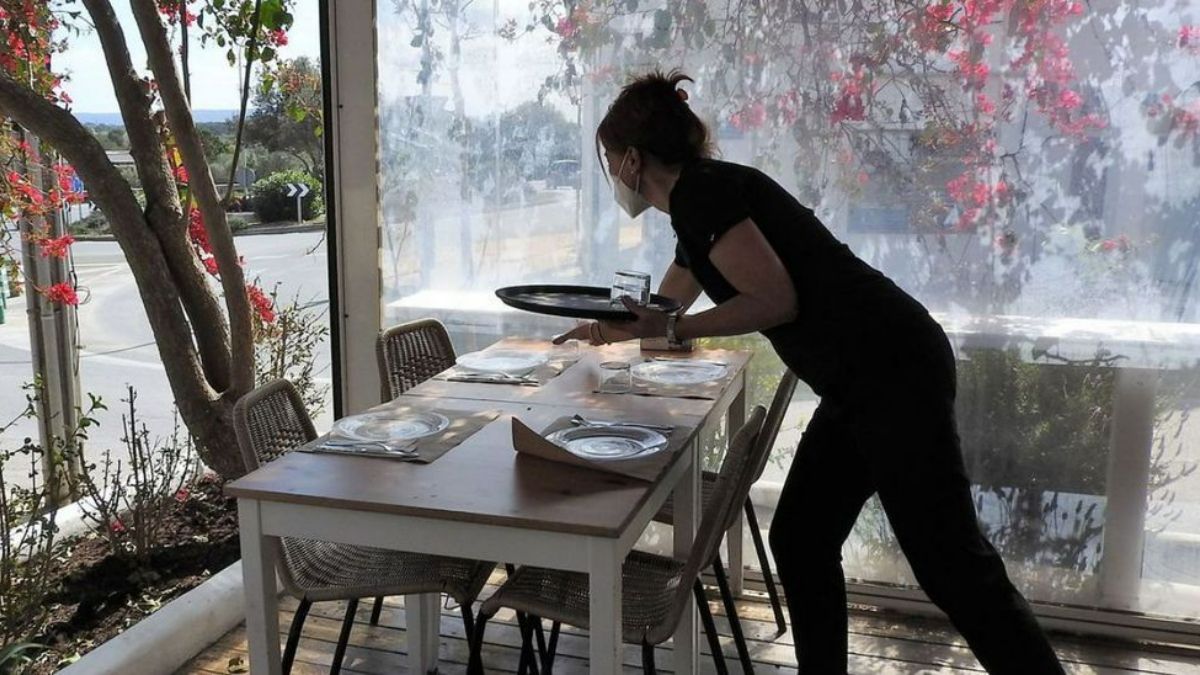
(594, 333)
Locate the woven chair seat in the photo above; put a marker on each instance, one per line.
(667, 513)
(649, 584)
(326, 571)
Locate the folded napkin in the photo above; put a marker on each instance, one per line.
(538, 377)
(528, 442)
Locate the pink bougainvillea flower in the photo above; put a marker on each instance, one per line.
(117, 526)
(61, 294)
(261, 303)
(56, 247)
(182, 495)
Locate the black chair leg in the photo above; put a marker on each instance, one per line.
(764, 562)
(468, 621)
(339, 652)
(289, 650)
(735, 623)
(648, 659)
(376, 610)
(528, 662)
(551, 649)
(475, 644)
(710, 628)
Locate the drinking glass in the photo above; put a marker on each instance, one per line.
(615, 377)
(635, 285)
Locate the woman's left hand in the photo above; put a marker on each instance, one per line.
(649, 323)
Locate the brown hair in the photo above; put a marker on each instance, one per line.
(651, 114)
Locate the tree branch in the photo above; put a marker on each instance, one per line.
(141, 248)
(255, 26)
(179, 116)
(163, 211)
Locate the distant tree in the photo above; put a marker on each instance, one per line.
(287, 113)
(111, 137)
(526, 141)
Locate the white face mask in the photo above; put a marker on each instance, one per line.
(630, 199)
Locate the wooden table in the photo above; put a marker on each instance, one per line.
(480, 501)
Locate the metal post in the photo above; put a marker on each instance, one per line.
(55, 358)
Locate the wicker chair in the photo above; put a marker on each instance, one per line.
(770, 431)
(411, 353)
(270, 422)
(655, 588)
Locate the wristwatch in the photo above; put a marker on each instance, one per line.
(672, 319)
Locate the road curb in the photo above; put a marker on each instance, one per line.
(247, 232)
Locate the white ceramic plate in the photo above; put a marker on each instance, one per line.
(679, 372)
(390, 426)
(608, 443)
(507, 361)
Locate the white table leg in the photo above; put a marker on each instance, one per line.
(604, 588)
(258, 582)
(733, 538)
(424, 618)
(1130, 448)
(687, 510)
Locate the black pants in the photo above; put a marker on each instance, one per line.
(896, 436)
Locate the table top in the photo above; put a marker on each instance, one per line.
(574, 387)
(484, 480)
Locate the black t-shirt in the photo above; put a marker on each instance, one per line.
(843, 303)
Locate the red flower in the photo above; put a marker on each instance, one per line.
(1189, 38)
(182, 495)
(117, 526)
(279, 37)
(261, 303)
(56, 248)
(566, 28)
(61, 294)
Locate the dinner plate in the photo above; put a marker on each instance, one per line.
(507, 361)
(608, 443)
(390, 426)
(679, 371)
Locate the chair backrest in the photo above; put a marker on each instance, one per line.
(411, 353)
(729, 492)
(774, 420)
(270, 422)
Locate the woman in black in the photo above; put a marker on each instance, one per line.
(882, 366)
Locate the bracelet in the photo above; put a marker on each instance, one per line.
(672, 321)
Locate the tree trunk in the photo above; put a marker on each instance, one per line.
(208, 415)
(164, 212)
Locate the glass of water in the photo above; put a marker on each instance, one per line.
(635, 285)
(615, 377)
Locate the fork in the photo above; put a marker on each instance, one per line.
(580, 420)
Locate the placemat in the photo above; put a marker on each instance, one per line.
(709, 391)
(463, 425)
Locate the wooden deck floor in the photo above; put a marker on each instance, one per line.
(879, 643)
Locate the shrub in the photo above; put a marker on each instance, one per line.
(129, 495)
(29, 547)
(272, 204)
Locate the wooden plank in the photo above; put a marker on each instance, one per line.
(883, 643)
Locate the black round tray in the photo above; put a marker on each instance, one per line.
(580, 302)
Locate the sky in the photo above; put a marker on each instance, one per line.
(214, 81)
